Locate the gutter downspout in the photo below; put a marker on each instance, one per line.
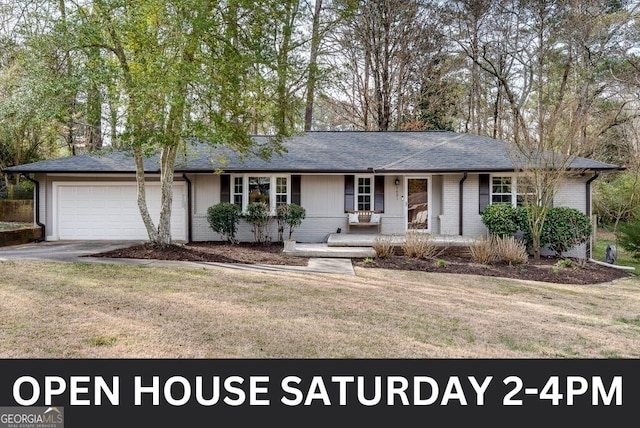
(36, 207)
(461, 199)
(588, 209)
(189, 232)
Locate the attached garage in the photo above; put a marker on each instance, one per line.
(109, 211)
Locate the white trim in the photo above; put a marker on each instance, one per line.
(429, 179)
(372, 193)
(514, 187)
(512, 191)
(275, 190)
(108, 175)
(55, 185)
(232, 190)
(272, 188)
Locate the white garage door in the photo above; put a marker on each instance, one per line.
(109, 211)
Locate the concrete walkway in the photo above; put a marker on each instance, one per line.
(315, 265)
(327, 251)
(80, 252)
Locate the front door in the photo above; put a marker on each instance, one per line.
(418, 204)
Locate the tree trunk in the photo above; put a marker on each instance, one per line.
(313, 67)
(142, 196)
(94, 118)
(167, 164)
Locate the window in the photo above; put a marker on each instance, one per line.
(270, 189)
(516, 190)
(525, 191)
(364, 193)
(501, 190)
(281, 191)
(260, 190)
(237, 191)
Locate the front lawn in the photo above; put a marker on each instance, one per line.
(624, 257)
(84, 310)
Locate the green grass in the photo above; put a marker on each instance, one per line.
(11, 225)
(515, 344)
(102, 341)
(624, 257)
(635, 321)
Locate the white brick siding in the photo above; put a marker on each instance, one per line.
(449, 217)
(323, 198)
(206, 192)
(472, 225)
(572, 193)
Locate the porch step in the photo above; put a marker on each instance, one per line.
(325, 251)
(351, 245)
(353, 240)
(367, 240)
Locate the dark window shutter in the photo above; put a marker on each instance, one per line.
(378, 201)
(225, 188)
(295, 189)
(484, 191)
(349, 192)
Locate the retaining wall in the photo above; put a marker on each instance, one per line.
(19, 236)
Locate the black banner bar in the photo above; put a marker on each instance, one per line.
(169, 393)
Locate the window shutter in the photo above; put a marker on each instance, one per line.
(484, 191)
(349, 200)
(378, 200)
(295, 189)
(225, 188)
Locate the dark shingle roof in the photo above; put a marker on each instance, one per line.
(341, 152)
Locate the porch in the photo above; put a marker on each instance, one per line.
(356, 245)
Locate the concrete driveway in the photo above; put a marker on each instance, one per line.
(60, 250)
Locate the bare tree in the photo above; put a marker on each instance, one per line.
(385, 49)
(555, 51)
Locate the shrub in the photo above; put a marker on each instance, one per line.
(290, 216)
(564, 263)
(511, 251)
(628, 236)
(482, 250)
(522, 223)
(384, 246)
(258, 214)
(523, 214)
(419, 245)
(488, 250)
(223, 218)
(500, 219)
(564, 228)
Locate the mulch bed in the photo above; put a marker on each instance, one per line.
(545, 269)
(271, 254)
(218, 252)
